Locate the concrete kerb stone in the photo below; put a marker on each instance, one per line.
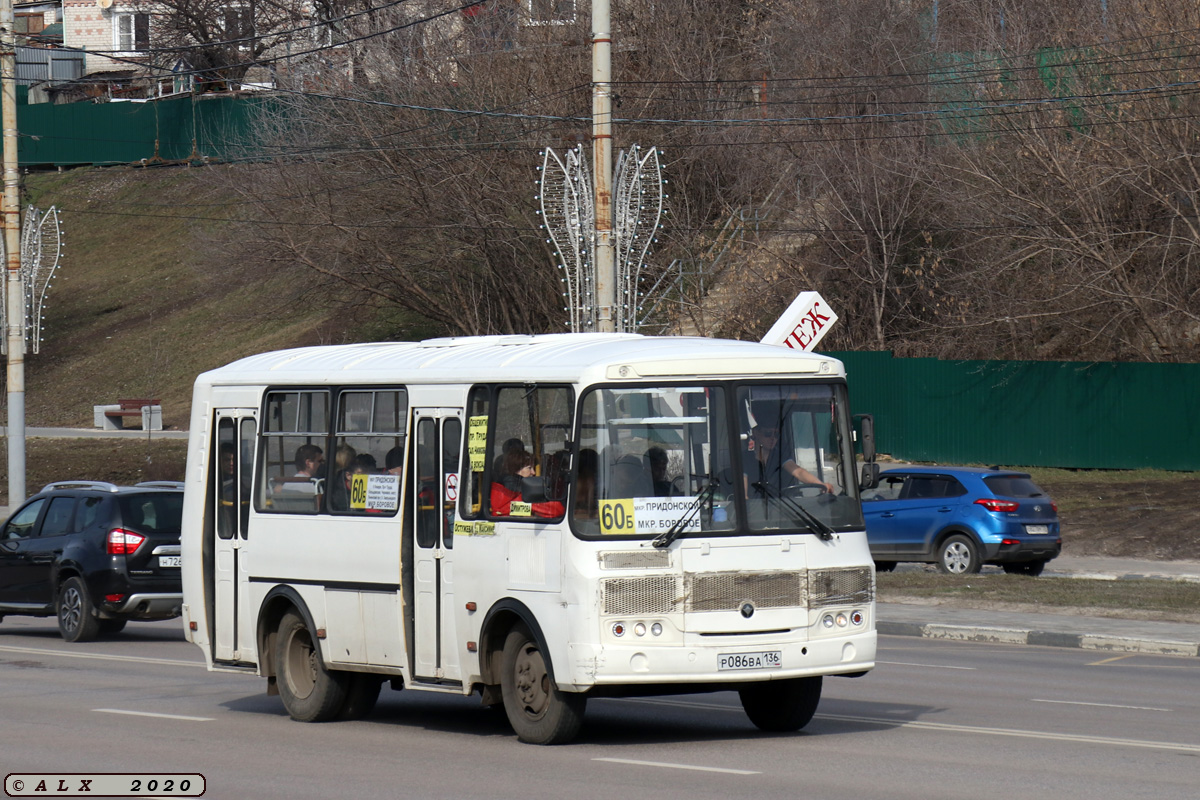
(996, 635)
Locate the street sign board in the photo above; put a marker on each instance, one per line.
(803, 324)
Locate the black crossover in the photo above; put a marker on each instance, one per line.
(95, 555)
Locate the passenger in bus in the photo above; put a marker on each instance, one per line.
(339, 494)
(309, 460)
(518, 465)
(763, 465)
(310, 463)
(663, 485)
(393, 462)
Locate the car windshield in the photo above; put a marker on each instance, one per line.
(664, 461)
(1013, 486)
(156, 512)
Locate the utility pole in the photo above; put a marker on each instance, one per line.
(604, 255)
(10, 209)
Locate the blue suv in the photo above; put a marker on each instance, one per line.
(961, 518)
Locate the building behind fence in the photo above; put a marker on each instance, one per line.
(1030, 413)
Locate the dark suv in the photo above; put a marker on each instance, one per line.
(95, 555)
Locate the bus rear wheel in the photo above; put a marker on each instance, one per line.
(310, 692)
(781, 706)
(538, 712)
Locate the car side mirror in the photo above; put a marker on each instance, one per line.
(870, 476)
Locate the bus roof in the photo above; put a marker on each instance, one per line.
(565, 357)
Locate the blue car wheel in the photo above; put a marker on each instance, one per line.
(959, 555)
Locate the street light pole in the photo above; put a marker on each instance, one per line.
(10, 209)
(603, 255)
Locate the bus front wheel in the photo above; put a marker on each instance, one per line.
(310, 692)
(781, 706)
(538, 712)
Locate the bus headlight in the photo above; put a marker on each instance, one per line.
(842, 620)
(827, 620)
(656, 629)
(640, 629)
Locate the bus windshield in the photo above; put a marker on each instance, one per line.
(715, 457)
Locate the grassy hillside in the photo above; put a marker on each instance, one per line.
(144, 300)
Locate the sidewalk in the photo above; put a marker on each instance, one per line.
(1057, 630)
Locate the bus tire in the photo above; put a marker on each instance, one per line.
(781, 706)
(362, 692)
(538, 712)
(310, 692)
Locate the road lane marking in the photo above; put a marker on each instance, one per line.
(927, 666)
(1099, 705)
(101, 656)
(152, 714)
(942, 726)
(667, 765)
(1015, 732)
(1110, 660)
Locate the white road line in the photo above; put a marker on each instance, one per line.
(940, 726)
(927, 666)
(151, 714)
(666, 765)
(937, 726)
(102, 656)
(1098, 705)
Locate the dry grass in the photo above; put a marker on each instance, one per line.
(1143, 599)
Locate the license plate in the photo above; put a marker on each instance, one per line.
(170, 561)
(771, 659)
(1037, 528)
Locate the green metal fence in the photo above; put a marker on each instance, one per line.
(1030, 413)
(175, 130)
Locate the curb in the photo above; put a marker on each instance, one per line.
(994, 635)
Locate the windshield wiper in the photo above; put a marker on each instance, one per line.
(816, 525)
(676, 530)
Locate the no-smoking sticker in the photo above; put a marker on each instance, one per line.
(452, 487)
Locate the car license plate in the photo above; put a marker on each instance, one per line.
(1037, 528)
(170, 561)
(771, 659)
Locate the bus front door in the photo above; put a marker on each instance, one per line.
(435, 489)
(229, 476)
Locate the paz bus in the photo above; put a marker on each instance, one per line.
(536, 519)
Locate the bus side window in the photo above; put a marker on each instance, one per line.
(293, 460)
(475, 452)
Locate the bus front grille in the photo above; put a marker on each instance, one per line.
(727, 591)
(839, 587)
(653, 594)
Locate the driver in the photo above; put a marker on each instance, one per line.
(762, 463)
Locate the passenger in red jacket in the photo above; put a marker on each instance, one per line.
(518, 464)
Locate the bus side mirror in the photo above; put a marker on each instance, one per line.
(870, 476)
(866, 424)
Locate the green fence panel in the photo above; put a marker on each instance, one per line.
(174, 130)
(1030, 413)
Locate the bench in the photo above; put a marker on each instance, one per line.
(112, 417)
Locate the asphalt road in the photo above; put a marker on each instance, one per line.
(936, 719)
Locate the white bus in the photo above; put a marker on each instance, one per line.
(540, 519)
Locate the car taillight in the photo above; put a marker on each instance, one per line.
(1054, 506)
(123, 542)
(992, 504)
